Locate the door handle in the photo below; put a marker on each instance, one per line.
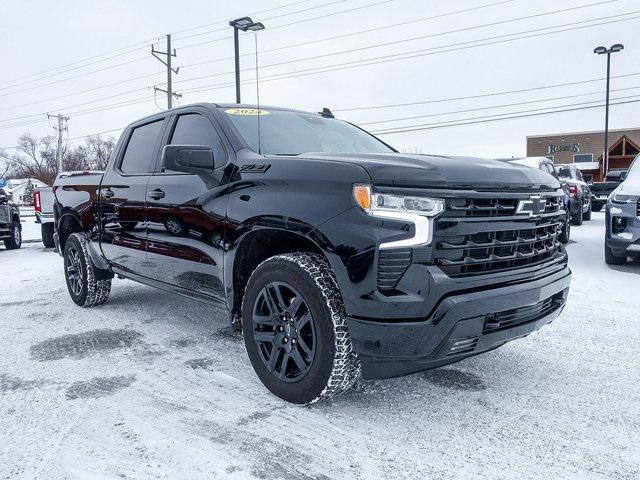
(108, 193)
(156, 194)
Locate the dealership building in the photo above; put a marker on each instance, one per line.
(585, 149)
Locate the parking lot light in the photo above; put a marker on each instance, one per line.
(245, 24)
(601, 51)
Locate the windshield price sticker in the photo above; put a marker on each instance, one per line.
(246, 111)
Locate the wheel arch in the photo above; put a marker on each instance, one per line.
(251, 250)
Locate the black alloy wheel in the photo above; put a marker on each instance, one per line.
(284, 331)
(74, 270)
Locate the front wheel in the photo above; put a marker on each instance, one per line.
(80, 273)
(15, 240)
(611, 259)
(587, 214)
(295, 330)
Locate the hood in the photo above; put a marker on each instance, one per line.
(432, 171)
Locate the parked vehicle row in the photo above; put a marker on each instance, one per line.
(335, 255)
(579, 193)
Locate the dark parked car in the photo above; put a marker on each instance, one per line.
(600, 191)
(334, 254)
(10, 227)
(622, 219)
(546, 165)
(579, 193)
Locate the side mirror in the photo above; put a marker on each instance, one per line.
(188, 158)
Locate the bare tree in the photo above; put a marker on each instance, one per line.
(36, 157)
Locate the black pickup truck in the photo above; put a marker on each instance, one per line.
(334, 254)
(600, 191)
(10, 227)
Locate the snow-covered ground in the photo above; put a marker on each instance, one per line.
(155, 386)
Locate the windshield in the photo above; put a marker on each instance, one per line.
(292, 133)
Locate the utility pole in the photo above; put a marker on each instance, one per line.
(170, 71)
(61, 127)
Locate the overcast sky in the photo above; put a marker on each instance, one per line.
(43, 42)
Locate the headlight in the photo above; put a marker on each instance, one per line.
(385, 202)
(620, 198)
(417, 210)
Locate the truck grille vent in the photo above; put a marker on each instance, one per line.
(638, 209)
(502, 241)
(519, 316)
(391, 266)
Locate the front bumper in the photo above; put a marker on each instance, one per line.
(624, 241)
(462, 325)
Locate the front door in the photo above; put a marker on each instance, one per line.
(123, 198)
(186, 215)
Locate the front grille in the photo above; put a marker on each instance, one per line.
(473, 246)
(391, 266)
(638, 209)
(519, 316)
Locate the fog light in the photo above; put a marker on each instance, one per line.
(619, 224)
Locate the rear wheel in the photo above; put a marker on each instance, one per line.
(611, 259)
(15, 240)
(587, 214)
(46, 230)
(596, 207)
(295, 330)
(85, 290)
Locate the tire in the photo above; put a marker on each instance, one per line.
(565, 234)
(325, 364)
(15, 240)
(577, 218)
(46, 230)
(596, 207)
(175, 227)
(80, 274)
(587, 215)
(611, 259)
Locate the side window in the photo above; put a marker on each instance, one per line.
(196, 129)
(140, 154)
(579, 175)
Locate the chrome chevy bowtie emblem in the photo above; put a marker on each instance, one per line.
(534, 206)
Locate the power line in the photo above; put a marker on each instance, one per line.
(483, 95)
(134, 47)
(274, 27)
(413, 21)
(495, 118)
(266, 51)
(432, 50)
(480, 109)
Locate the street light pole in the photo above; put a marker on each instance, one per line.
(244, 24)
(236, 44)
(605, 153)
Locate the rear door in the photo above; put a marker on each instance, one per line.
(186, 212)
(123, 197)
